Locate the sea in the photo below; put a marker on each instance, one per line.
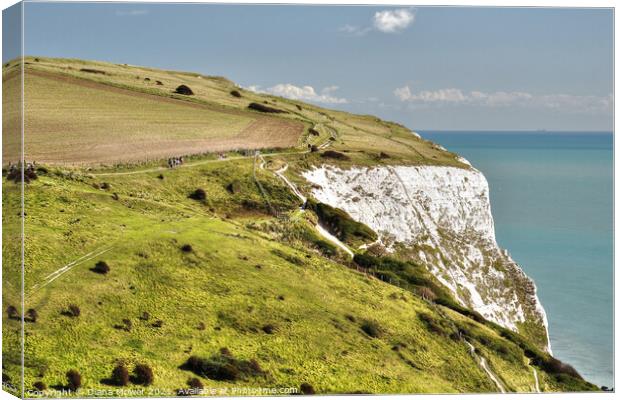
(552, 202)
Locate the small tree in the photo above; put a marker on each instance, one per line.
(12, 312)
(101, 267)
(143, 375)
(371, 328)
(32, 315)
(195, 383)
(306, 388)
(183, 89)
(127, 324)
(427, 293)
(198, 194)
(120, 375)
(74, 380)
(73, 311)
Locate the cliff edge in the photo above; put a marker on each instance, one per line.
(440, 217)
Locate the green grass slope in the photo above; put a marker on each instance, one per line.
(216, 274)
(302, 316)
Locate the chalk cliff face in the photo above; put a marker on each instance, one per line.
(440, 217)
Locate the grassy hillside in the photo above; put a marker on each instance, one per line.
(211, 271)
(112, 113)
(300, 315)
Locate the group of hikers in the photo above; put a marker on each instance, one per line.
(175, 161)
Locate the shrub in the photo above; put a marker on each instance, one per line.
(340, 223)
(12, 312)
(143, 375)
(195, 383)
(264, 108)
(198, 194)
(432, 324)
(313, 148)
(298, 107)
(306, 388)
(371, 328)
(74, 380)
(31, 315)
(120, 375)
(223, 367)
(101, 268)
(313, 132)
(158, 324)
(288, 257)
(185, 90)
(159, 83)
(160, 176)
(201, 326)
(269, 329)
(72, 311)
(40, 386)
(105, 186)
(187, 248)
(234, 187)
(235, 93)
(335, 155)
(15, 175)
(555, 366)
(125, 326)
(145, 316)
(92, 71)
(350, 317)
(426, 293)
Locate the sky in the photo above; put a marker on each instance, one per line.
(430, 68)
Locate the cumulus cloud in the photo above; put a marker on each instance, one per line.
(304, 93)
(391, 21)
(505, 99)
(386, 21)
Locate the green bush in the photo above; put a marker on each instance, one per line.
(341, 225)
(371, 328)
(120, 375)
(101, 268)
(143, 375)
(306, 388)
(74, 380)
(198, 194)
(223, 367)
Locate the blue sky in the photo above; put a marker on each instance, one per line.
(428, 68)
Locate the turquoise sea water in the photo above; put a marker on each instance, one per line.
(552, 201)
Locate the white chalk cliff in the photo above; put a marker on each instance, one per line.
(441, 218)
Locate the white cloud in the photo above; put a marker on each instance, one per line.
(131, 13)
(355, 30)
(386, 21)
(391, 21)
(576, 103)
(304, 93)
